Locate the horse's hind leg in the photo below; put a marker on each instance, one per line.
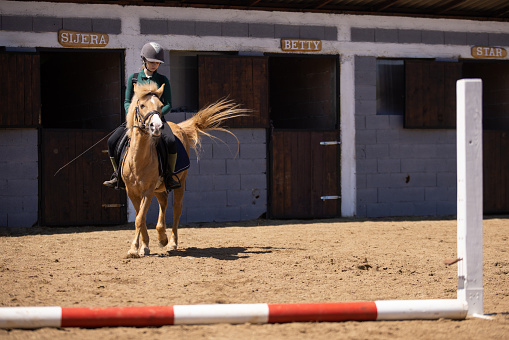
(162, 199)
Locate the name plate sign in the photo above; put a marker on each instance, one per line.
(301, 45)
(486, 52)
(82, 39)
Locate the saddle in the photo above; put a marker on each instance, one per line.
(122, 146)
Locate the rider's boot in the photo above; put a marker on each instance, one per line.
(171, 180)
(112, 183)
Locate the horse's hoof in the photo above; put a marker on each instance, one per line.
(144, 251)
(163, 243)
(132, 255)
(172, 247)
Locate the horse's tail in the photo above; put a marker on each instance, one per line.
(211, 118)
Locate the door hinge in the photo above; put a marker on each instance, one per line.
(333, 142)
(330, 198)
(116, 205)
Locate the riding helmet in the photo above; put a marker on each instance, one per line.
(153, 52)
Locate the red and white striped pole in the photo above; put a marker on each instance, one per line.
(36, 317)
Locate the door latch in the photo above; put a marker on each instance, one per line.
(330, 198)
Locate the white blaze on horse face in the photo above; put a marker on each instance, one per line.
(157, 103)
(156, 125)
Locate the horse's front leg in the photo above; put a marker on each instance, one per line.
(136, 241)
(162, 199)
(178, 196)
(140, 243)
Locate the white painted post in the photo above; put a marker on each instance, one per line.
(347, 126)
(470, 193)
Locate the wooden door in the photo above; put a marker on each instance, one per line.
(301, 93)
(238, 78)
(304, 171)
(304, 148)
(495, 171)
(76, 196)
(430, 100)
(20, 90)
(79, 108)
(495, 78)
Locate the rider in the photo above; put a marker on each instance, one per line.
(152, 55)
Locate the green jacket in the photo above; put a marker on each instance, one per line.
(159, 79)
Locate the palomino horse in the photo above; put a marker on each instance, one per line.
(140, 170)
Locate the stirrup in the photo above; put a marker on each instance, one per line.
(112, 183)
(170, 183)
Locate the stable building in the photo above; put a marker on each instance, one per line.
(353, 106)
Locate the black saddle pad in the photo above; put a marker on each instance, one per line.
(183, 162)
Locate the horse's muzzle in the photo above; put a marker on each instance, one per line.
(155, 125)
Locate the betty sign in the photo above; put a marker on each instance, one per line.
(82, 39)
(301, 45)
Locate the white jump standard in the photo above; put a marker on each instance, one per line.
(470, 193)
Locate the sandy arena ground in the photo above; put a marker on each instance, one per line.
(339, 260)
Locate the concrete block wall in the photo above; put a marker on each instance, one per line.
(55, 23)
(18, 177)
(237, 29)
(406, 36)
(400, 172)
(223, 185)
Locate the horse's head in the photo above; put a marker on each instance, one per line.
(145, 110)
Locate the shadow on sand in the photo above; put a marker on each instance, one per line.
(219, 253)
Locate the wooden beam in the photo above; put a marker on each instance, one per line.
(385, 5)
(493, 13)
(320, 4)
(502, 12)
(448, 6)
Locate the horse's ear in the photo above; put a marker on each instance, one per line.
(160, 91)
(135, 87)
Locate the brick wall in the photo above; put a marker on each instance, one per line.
(400, 172)
(18, 177)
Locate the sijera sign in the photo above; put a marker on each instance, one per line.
(82, 39)
(301, 45)
(486, 52)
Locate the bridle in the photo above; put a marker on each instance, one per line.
(143, 118)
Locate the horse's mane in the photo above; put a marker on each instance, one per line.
(140, 91)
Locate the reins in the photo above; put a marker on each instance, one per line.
(87, 150)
